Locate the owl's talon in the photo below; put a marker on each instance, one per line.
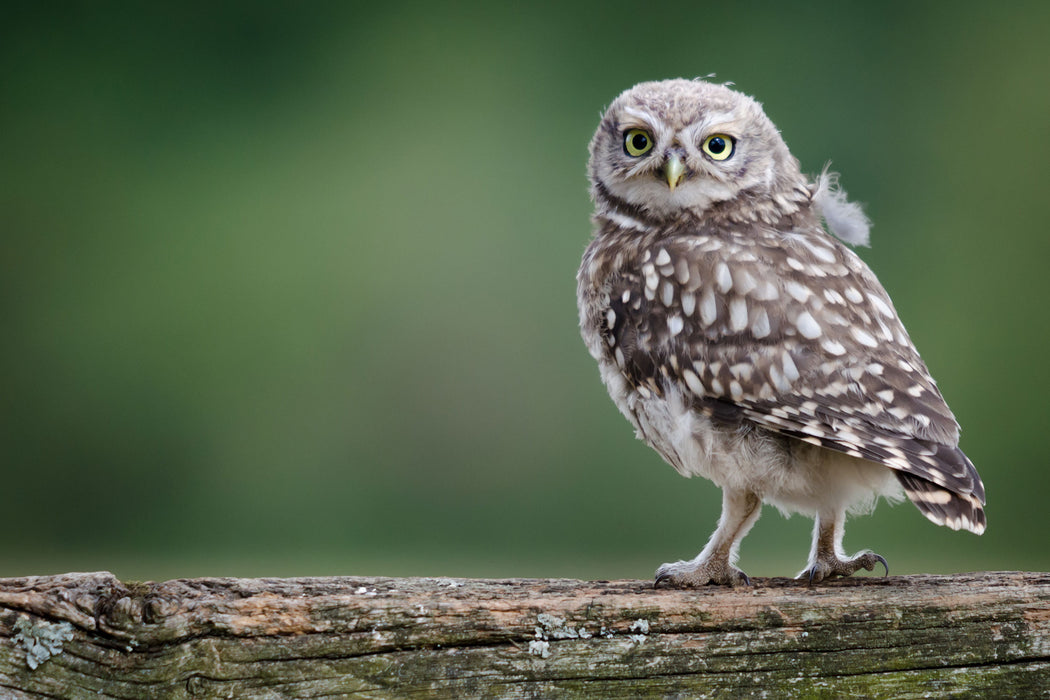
(885, 564)
(693, 574)
(830, 566)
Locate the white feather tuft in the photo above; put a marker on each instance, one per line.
(844, 219)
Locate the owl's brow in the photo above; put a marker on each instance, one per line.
(725, 116)
(728, 122)
(638, 118)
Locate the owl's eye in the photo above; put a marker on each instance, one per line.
(718, 146)
(637, 142)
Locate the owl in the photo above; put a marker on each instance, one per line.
(745, 342)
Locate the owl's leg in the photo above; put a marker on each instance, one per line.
(827, 558)
(740, 510)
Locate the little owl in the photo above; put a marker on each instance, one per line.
(747, 345)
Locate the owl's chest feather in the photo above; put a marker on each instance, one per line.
(646, 301)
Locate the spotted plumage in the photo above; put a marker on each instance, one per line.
(744, 342)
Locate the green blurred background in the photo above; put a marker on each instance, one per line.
(288, 289)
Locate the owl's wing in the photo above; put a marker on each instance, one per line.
(794, 333)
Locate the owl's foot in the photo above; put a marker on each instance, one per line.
(692, 574)
(829, 565)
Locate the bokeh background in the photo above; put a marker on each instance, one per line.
(288, 289)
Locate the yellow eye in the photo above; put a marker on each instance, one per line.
(718, 146)
(637, 142)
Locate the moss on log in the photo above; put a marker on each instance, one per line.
(91, 635)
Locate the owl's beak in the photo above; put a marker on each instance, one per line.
(674, 171)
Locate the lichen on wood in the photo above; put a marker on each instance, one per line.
(901, 637)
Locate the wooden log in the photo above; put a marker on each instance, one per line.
(91, 635)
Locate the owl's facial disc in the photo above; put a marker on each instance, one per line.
(674, 170)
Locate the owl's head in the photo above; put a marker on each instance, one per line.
(680, 147)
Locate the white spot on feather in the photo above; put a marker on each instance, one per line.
(882, 307)
(760, 324)
(834, 318)
(833, 297)
(832, 347)
(743, 282)
(688, 303)
(667, 293)
(799, 292)
(738, 314)
(823, 253)
(723, 279)
(675, 324)
(693, 382)
(681, 270)
(936, 497)
(863, 337)
(779, 380)
(807, 326)
(651, 278)
(708, 310)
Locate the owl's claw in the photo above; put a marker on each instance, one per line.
(830, 566)
(885, 564)
(692, 574)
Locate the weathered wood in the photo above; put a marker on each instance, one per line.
(91, 635)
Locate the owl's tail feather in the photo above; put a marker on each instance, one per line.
(959, 511)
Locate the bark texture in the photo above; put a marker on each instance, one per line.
(91, 635)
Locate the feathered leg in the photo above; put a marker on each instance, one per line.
(740, 510)
(827, 559)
